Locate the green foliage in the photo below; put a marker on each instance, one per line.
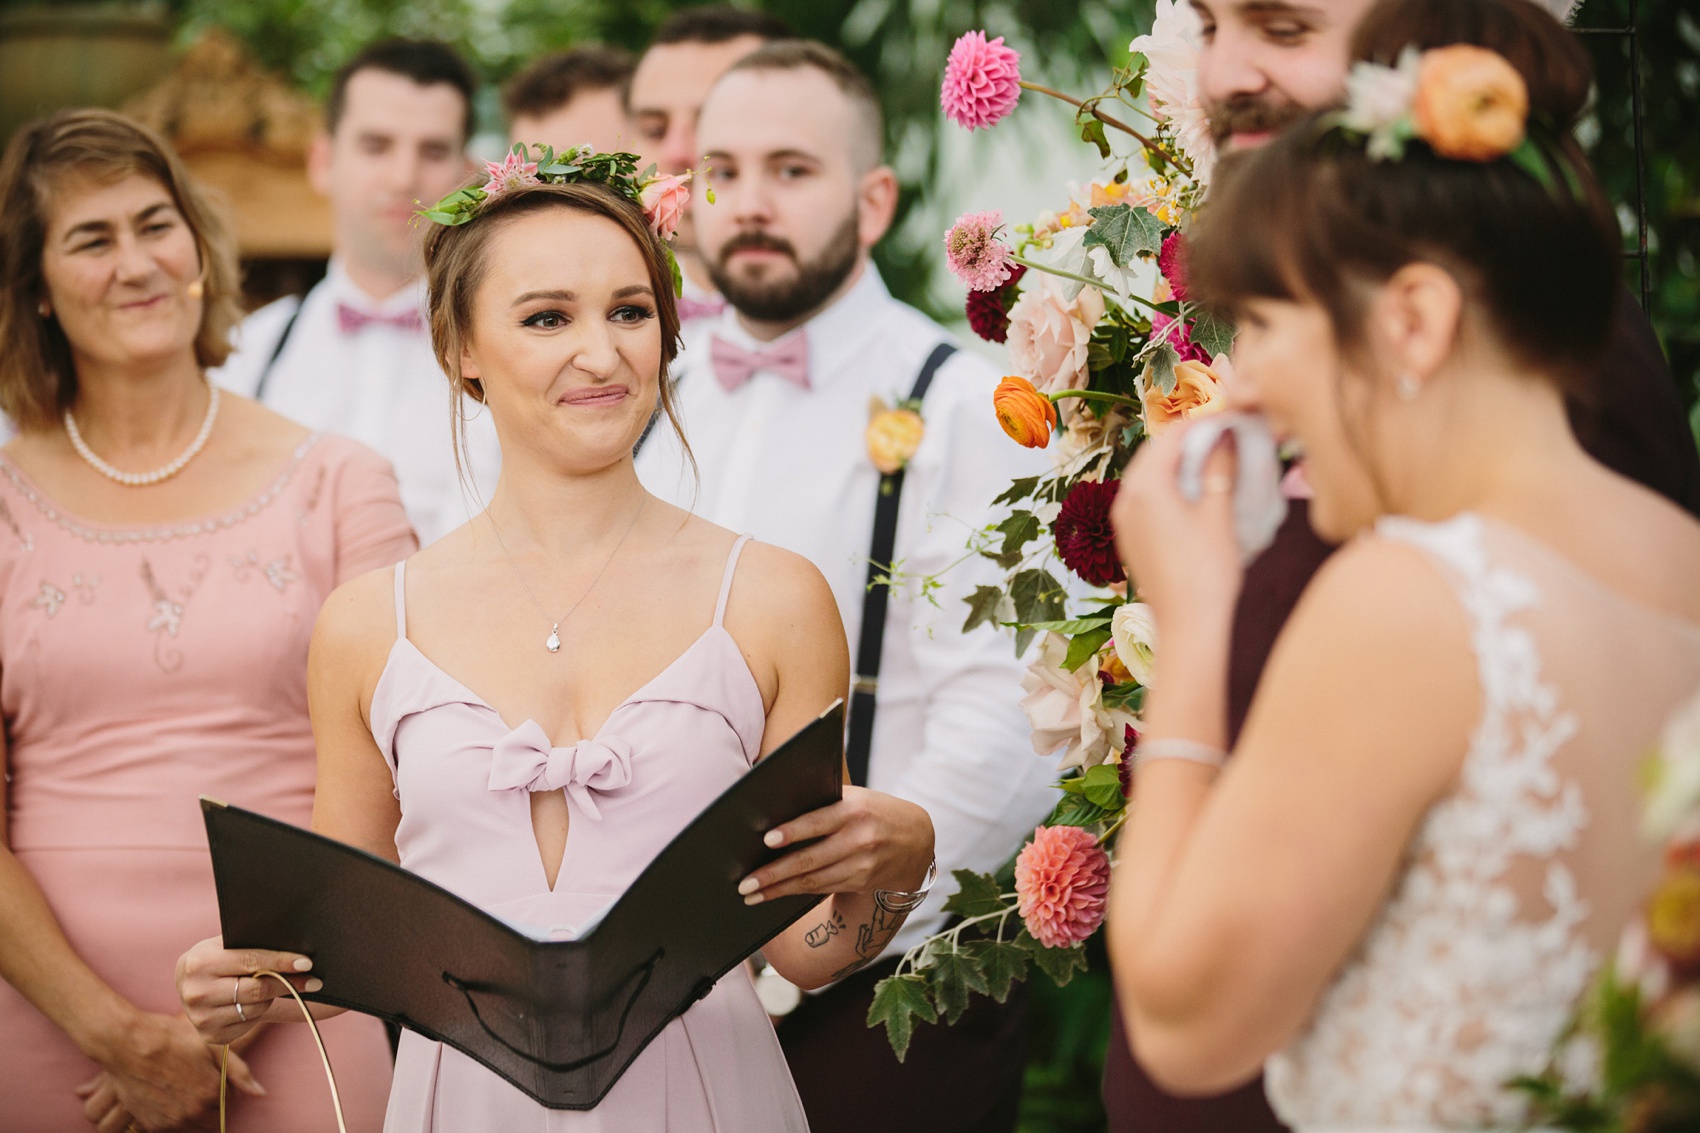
(898, 1002)
(977, 895)
(1124, 232)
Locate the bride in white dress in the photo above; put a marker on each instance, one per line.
(1426, 840)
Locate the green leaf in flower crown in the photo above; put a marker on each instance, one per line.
(1213, 334)
(1161, 371)
(1019, 529)
(1082, 647)
(983, 607)
(1125, 232)
(898, 1002)
(1059, 964)
(1018, 490)
(955, 974)
(976, 894)
(1002, 963)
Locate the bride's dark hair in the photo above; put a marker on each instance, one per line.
(1310, 216)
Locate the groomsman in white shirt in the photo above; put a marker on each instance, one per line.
(354, 356)
(775, 398)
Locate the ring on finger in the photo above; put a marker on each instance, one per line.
(236, 998)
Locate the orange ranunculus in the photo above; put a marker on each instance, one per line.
(1198, 392)
(1025, 414)
(893, 436)
(1673, 916)
(1471, 105)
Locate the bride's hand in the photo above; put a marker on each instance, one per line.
(869, 840)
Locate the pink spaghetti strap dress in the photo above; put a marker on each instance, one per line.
(464, 778)
(139, 669)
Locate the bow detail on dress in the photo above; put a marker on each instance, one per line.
(523, 760)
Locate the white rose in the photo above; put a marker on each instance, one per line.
(1134, 633)
(1066, 709)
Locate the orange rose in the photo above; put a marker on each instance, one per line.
(1471, 105)
(1025, 414)
(1673, 916)
(1198, 392)
(893, 436)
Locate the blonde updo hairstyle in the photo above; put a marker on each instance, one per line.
(456, 258)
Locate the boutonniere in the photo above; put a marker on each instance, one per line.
(894, 433)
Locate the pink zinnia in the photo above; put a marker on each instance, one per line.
(510, 174)
(1060, 881)
(975, 253)
(982, 81)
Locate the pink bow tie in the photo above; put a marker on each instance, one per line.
(733, 365)
(352, 320)
(525, 761)
(699, 308)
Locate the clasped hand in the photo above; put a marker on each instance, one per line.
(160, 1075)
(868, 840)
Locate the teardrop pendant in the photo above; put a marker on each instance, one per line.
(553, 645)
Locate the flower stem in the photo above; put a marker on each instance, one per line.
(1173, 159)
(1093, 395)
(1098, 283)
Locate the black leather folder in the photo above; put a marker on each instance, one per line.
(560, 1019)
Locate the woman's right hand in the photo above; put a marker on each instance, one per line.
(162, 1074)
(210, 977)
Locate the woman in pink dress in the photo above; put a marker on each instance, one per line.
(163, 553)
(527, 711)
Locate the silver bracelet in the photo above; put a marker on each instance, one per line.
(1165, 747)
(907, 901)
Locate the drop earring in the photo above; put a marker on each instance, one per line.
(196, 289)
(1408, 387)
(44, 310)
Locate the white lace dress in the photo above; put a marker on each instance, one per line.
(1516, 884)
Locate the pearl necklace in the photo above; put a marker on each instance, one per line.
(143, 479)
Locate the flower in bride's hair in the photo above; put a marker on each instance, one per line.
(1061, 879)
(513, 172)
(1086, 542)
(1470, 104)
(1378, 104)
(1198, 392)
(982, 81)
(988, 311)
(1049, 334)
(1677, 1022)
(1025, 414)
(975, 253)
(664, 202)
(1673, 917)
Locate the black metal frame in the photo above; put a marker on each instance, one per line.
(1632, 32)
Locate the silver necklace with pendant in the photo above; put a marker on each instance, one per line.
(553, 642)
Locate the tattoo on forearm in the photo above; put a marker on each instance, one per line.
(871, 938)
(826, 930)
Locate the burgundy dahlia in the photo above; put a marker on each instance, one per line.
(1085, 539)
(1171, 261)
(1124, 769)
(988, 311)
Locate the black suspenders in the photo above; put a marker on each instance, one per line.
(870, 641)
(277, 351)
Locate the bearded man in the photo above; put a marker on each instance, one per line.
(774, 394)
(1265, 65)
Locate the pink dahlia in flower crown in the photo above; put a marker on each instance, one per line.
(664, 201)
(1086, 542)
(510, 174)
(988, 311)
(982, 81)
(1061, 878)
(975, 253)
(1171, 261)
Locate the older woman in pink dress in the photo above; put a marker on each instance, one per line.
(532, 709)
(163, 553)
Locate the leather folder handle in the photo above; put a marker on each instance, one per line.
(644, 972)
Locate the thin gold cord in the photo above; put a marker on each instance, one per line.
(330, 1075)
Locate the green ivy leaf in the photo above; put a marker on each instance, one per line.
(976, 894)
(1038, 598)
(898, 1002)
(1162, 370)
(1213, 334)
(1059, 964)
(1019, 529)
(982, 607)
(1083, 646)
(1002, 962)
(1125, 232)
(954, 975)
(1018, 490)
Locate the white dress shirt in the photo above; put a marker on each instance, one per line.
(380, 385)
(790, 466)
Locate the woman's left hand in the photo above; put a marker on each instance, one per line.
(868, 840)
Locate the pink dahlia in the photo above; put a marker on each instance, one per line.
(988, 311)
(1086, 542)
(982, 81)
(975, 253)
(1171, 261)
(1181, 339)
(1061, 877)
(510, 174)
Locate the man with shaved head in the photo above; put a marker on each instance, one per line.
(775, 397)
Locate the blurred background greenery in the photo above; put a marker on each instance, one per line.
(902, 44)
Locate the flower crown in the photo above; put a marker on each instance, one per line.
(1465, 102)
(662, 198)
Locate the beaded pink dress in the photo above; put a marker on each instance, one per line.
(465, 776)
(139, 669)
